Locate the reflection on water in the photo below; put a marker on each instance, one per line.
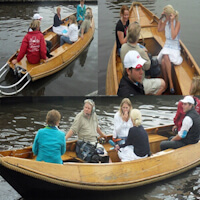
(22, 117)
(15, 21)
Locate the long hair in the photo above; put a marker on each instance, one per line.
(35, 24)
(168, 10)
(73, 18)
(195, 86)
(136, 117)
(128, 102)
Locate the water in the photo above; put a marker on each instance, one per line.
(15, 20)
(110, 13)
(20, 118)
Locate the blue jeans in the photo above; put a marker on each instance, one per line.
(171, 144)
(64, 39)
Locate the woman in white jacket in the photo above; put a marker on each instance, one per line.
(72, 34)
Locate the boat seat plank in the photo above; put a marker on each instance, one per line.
(50, 35)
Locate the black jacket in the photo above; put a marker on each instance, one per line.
(193, 134)
(128, 88)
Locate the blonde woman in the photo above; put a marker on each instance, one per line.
(171, 51)
(33, 45)
(72, 34)
(122, 122)
(137, 143)
(58, 24)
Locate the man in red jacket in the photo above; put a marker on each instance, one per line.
(33, 45)
(180, 114)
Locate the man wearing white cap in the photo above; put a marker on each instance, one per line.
(190, 130)
(131, 82)
(152, 86)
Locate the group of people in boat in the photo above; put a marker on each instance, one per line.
(35, 47)
(129, 137)
(135, 57)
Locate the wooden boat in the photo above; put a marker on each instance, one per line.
(61, 57)
(25, 175)
(154, 41)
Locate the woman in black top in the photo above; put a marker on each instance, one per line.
(121, 27)
(137, 143)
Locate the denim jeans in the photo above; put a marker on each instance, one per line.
(64, 39)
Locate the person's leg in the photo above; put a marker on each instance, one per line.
(164, 73)
(171, 144)
(64, 39)
(169, 72)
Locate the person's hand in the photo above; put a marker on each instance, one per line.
(82, 37)
(125, 116)
(117, 147)
(14, 61)
(172, 16)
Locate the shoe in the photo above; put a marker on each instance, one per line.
(172, 91)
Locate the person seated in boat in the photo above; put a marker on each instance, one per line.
(131, 82)
(121, 28)
(49, 143)
(80, 14)
(86, 125)
(137, 143)
(122, 122)
(48, 43)
(195, 86)
(86, 24)
(72, 34)
(152, 86)
(58, 24)
(180, 114)
(171, 52)
(190, 129)
(33, 45)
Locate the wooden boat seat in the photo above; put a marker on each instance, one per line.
(50, 35)
(154, 141)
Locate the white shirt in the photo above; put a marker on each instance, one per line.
(186, 125)
(72, 33)
(121, 128)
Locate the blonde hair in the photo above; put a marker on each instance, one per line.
(168, 10)
(58, 8)
(35, 24)
(128, 102)
(133, 32)
(53, 117)
(73, 18)
(195, 86)
(136, 117)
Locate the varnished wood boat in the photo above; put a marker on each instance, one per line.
(154, 41)
(61, 57)
(20, 170)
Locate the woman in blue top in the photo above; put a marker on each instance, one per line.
(50, 143)
(81, 10)
(171, 51)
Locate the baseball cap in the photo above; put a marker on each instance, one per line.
(133, 59)
(37, 16)
(188, 99)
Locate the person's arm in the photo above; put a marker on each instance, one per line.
(82, 33)
(101, 133)
(186, 125)
(63, 146)
(161, 24)
(121, 37)
(43, 49)
(174, 30)
(69, 134)
(35, 145)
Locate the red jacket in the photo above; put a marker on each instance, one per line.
(180, 114)
(33, 45)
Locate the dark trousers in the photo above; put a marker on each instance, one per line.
(171, 144)
(48, 46)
